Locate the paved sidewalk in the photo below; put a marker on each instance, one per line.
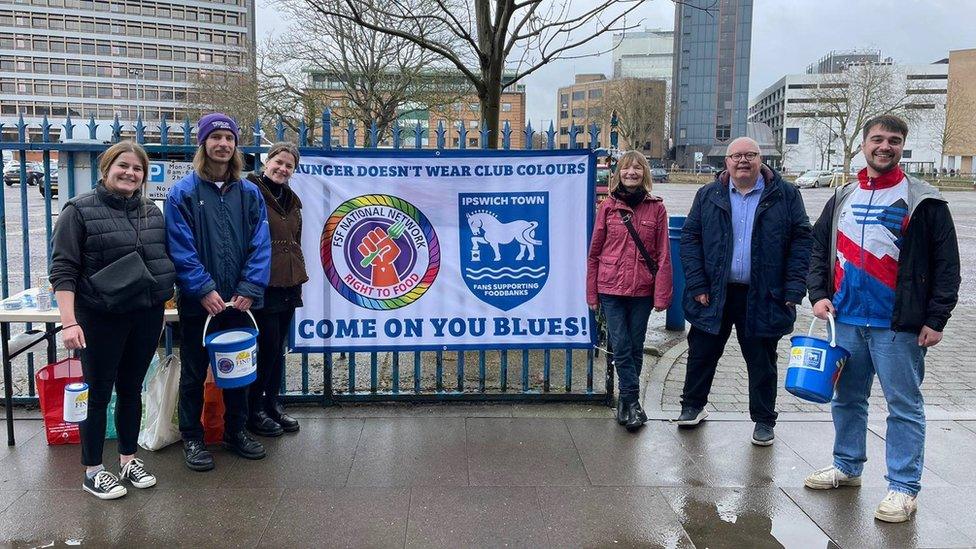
(949, 387)
(492, 476)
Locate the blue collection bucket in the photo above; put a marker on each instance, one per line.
(233, 353)
(815, 365)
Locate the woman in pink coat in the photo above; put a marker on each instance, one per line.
(621, 281)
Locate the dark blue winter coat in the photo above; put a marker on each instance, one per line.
(219, 240)
(781, 241)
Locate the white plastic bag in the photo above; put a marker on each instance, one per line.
(160, 422)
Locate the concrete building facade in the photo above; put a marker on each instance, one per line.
(646, 54)
(710, 98)
(105, 58)
(961, 112)
(807, 137)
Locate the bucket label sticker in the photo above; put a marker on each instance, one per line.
(235, 363)
(807, 357)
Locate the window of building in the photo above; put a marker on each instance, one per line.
(579, 95)
(792, 136)
(906, 153)
(564, 98)
(595, 93)
(682, 133)
(579, 113)
(563, 115)
(506, 107)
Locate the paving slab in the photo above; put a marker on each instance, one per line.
(522, 452)
(475, 516)
(23, 431)
(200, 518)
(652, 456)
(610, 517)
(744, 517)
(410, 452)
(39, 517)
(318, 456)
(343, 517)
(7, 497)
(724, 451)
(944, 518)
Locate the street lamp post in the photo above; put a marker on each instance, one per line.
(137, 73)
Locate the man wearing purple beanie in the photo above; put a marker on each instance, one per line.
(218, 238)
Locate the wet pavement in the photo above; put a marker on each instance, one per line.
(493, 476)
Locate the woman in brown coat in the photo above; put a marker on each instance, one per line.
(266, 416)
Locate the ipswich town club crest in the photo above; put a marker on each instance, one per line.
(379, 252)
(504, 244)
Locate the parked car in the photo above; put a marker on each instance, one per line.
(814, 179)
(707, 168)
(659, 175)
(11, 173)
(54, 183)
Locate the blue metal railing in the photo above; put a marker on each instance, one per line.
(399, 376)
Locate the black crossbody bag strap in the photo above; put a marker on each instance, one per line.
(651, 264)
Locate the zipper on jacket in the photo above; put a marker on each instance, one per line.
(863, 253)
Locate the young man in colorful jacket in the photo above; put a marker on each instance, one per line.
(885, 264)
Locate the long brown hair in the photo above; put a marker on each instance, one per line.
(112, 153)
(628, 159)
(234, 167)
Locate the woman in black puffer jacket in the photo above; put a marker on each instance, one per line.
(111, 276)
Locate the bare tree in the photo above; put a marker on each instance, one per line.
(483, 39)
(846, 100)
(362, 74)
(823, 138)
(640, 107)
(952, 122)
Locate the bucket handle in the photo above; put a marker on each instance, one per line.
(206, 323)
(830, 328)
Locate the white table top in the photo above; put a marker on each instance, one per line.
(52, 315)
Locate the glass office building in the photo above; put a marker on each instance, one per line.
(710, 97)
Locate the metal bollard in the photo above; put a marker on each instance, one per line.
(676, 314)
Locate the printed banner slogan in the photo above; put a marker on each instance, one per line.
(440, 253)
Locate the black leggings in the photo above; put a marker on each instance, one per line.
(118, 349)
(272, 331)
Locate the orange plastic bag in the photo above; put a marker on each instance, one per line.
(213, 411)
(51, 381)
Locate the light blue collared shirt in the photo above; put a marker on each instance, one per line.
(743, 218)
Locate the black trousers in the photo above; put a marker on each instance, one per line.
(705, 349)
(194, 362)
(119, 347)
(272, 332)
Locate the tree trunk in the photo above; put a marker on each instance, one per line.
(491, 99)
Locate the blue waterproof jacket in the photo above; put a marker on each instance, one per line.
(781, 242)
(218, 240)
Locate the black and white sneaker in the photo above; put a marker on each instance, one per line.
(691, 416)
(135, 472)
(104, 485)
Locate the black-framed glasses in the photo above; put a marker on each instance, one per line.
(750, 156)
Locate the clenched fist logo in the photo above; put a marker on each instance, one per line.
(380, 251)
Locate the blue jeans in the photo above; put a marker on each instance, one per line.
(900, 365)
(626, 330)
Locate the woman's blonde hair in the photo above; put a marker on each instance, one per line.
(112, 154)
(628, 159)
(234, 167)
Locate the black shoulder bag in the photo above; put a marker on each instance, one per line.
(119, 282)
(651, 264)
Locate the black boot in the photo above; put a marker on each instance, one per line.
(243, 445)
(636, 416)
(196, 456)
(277, 412)
(260, 424)
(621, 411)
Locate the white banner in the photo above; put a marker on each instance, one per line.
(449, 250)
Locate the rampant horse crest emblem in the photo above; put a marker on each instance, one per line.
(504, 245)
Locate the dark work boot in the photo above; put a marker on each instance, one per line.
(260, 424)
(243, 445)
(621, 411)
(196, 456)
(277, 412)
(636, 418)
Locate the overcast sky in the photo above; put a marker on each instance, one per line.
(787, 35)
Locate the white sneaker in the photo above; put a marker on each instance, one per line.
(829, 478)
(135, 472)
(896, 507)
(104, 485)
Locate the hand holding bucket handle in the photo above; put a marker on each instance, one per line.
(830, 328)
(206, 323)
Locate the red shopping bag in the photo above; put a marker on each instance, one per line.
(51, 381)
(213, 411)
